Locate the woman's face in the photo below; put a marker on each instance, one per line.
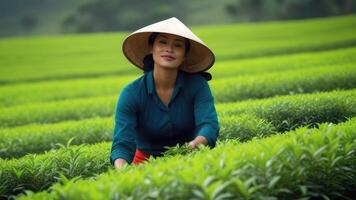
(168, 51)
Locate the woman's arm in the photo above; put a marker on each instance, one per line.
(206, 121)
(124, 145)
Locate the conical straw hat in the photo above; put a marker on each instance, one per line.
(136, 47)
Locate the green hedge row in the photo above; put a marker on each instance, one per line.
(38, 172)
(283, 62)
(52, 112)
(291, 111)
(17, 142)
(226, 90)
(284, 83)
(284, 113)
(303, 164)
(17, 94)
(41, 92)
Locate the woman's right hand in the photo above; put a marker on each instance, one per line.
(119, 163)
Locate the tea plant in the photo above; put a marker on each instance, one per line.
(298, 164)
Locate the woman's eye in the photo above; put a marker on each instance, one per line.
(163, 42)
(178, 45)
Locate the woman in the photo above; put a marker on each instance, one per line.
(171, 103)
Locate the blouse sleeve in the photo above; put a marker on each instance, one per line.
(206, 120)
(124, 145)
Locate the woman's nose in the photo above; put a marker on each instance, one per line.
(169, 48)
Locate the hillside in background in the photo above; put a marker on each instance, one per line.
(51, 14)
(47, 15)
(44, 17)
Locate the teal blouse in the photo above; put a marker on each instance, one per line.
(144, 122)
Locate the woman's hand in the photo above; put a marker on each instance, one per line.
(119, 163)
(199, 140)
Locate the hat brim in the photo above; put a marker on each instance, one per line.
(199, 58)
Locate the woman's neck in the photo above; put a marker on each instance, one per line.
(164, 79)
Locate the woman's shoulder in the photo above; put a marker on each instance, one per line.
(194, 79)
(138, 82)
(194, 83)
(135, 85)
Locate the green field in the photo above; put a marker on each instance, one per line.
(285, 93)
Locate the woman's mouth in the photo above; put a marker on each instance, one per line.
(168, 58)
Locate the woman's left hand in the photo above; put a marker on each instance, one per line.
(199, 140)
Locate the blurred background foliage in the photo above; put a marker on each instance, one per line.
(34, 17)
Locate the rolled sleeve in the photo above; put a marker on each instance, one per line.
(206, 120)
(124, 145)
